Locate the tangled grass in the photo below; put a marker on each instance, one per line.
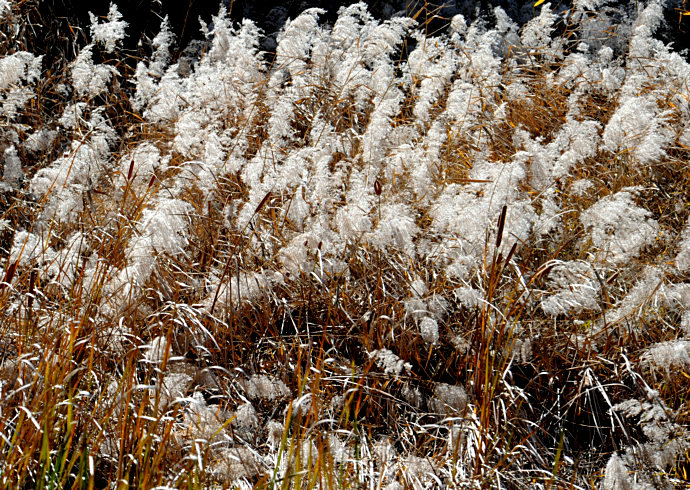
(378, 257)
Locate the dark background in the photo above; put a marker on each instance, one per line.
(60, 27)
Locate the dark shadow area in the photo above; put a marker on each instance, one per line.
(55, 25)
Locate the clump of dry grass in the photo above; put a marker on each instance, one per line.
(344, 363)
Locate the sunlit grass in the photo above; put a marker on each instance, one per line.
(180, 319)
